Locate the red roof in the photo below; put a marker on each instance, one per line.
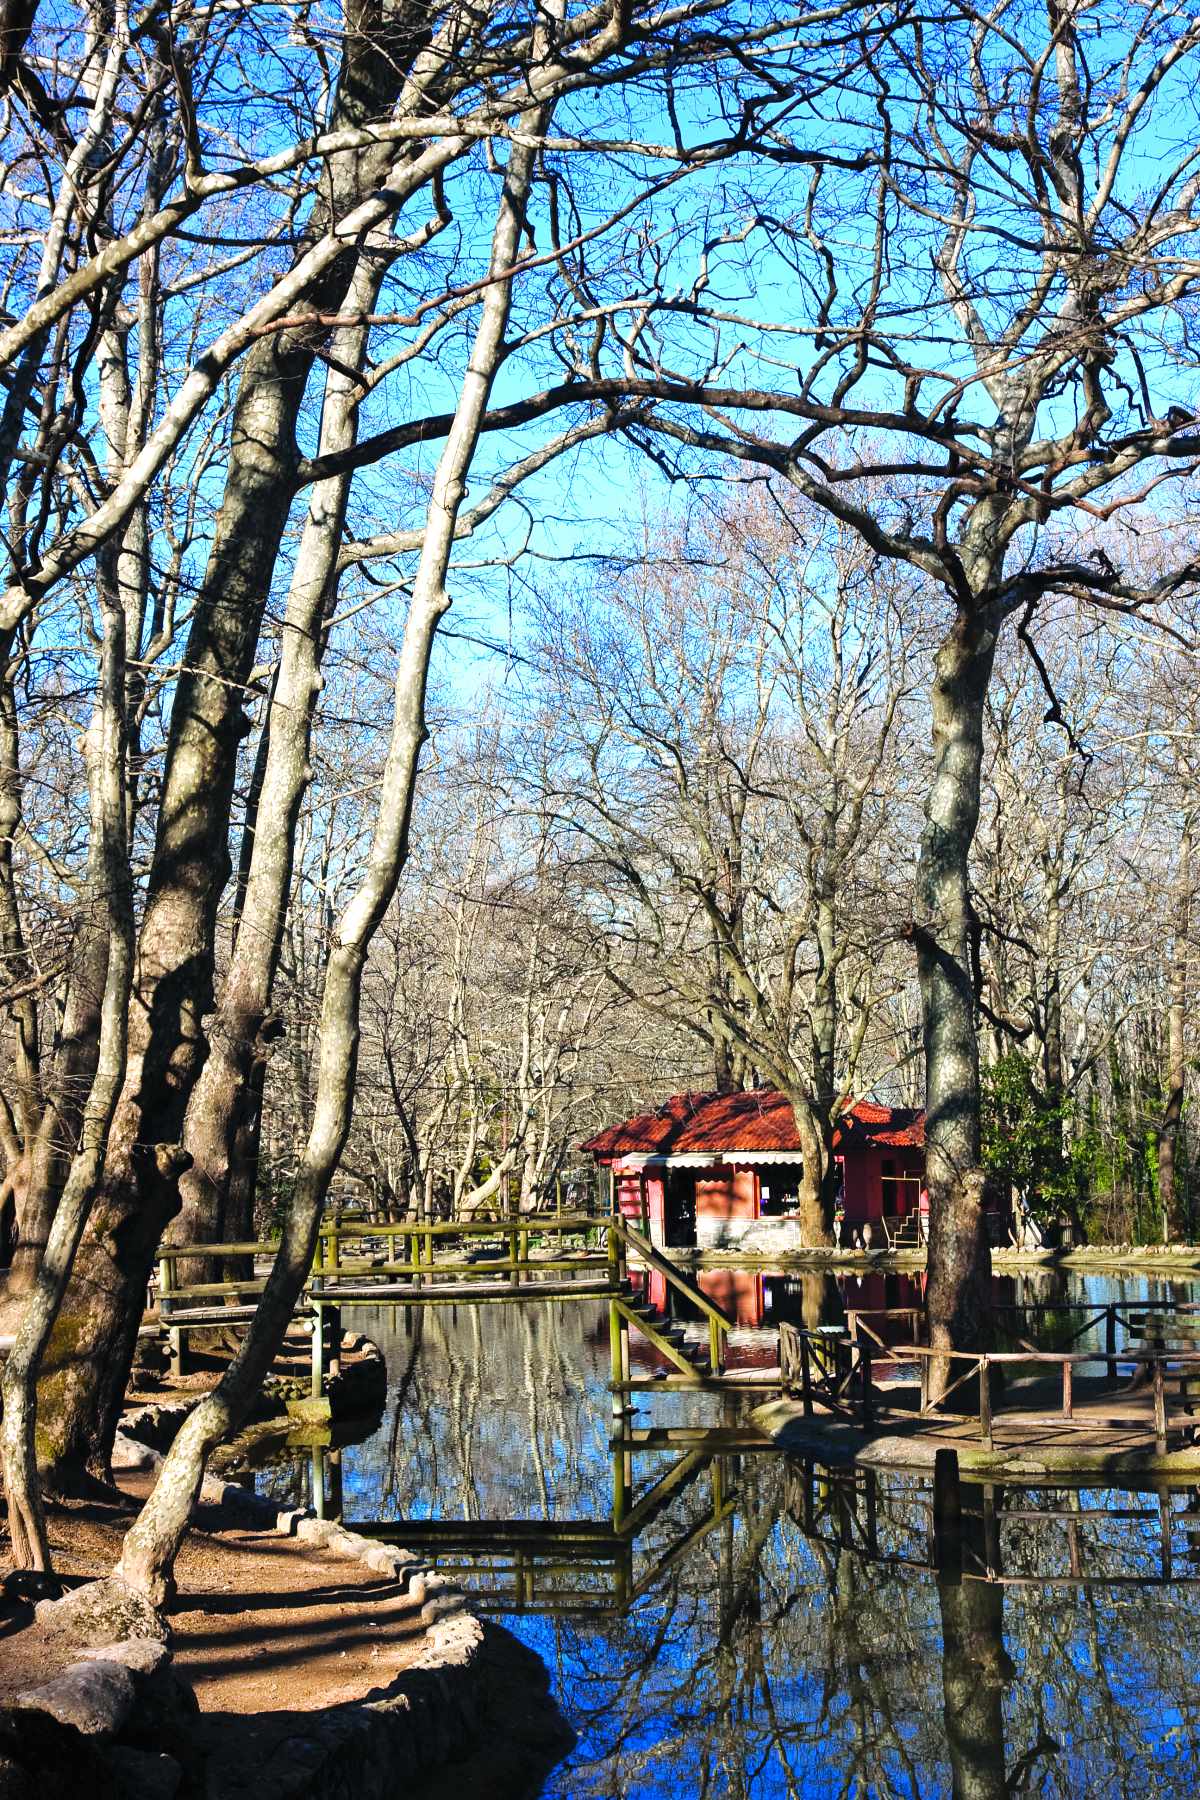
(761, 1119)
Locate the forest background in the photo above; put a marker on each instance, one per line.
(560, 554)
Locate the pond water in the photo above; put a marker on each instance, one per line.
(770, 1629)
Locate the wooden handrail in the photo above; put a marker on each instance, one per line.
(1050, 1356)
(168, 1253)
(807, 1350)
(654, 1259)
(500, 1227)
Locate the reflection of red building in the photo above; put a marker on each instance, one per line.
(725, 1169)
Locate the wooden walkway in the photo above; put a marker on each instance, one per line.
(1132, 1406)
(502, 1262)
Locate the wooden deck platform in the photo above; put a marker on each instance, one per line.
(1112, 1429)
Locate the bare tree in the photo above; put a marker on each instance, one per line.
(731, 758)
(415, 96)
(997, 307)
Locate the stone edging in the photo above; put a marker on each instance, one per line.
(366, 1748)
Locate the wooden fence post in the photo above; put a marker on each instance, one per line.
(985, 1404)
(317, 1384)
(805, 1377)
(1110, 1340)
(1160, 1408)
(947, 1515)
(166, 1284)
(1067, 1387)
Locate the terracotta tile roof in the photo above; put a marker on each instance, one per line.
(761, 1119)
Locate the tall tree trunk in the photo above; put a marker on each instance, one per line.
(36, 1168)
(149, 1551)
(1177, 989)
(106, 759)
(20, 1121)
(220, 1125)
(959, 1262)
(87, 1363)
(817, 1195)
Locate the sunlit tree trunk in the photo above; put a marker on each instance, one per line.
(18, 1429)
(221, 1132)
(959, 1260)
(1177, 995)
(90, 1353)
(150, 1547)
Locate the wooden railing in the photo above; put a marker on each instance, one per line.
(831, 1369)
(439, 1258)
(828, 1368)
(622, 1238)
(423, 1240)
(409, 1250)
(892, 1519)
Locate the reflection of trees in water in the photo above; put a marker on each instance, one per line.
(975, 1668)
(763, 1663)
(493, 1412)
(770, 1664)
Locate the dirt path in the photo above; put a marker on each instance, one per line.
(260, 1622)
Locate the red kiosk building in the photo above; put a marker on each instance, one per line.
(724, 1169)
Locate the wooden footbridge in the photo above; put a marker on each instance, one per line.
(511, 1261)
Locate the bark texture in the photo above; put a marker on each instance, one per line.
(150, 1547)
(221, 1133)
(18, 1429)
(959, 1261)
(88, 1359)
(1174, 1222)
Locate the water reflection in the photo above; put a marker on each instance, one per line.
(769, 1628)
